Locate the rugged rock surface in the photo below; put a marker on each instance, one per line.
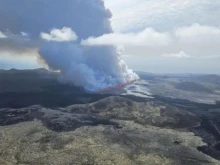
(112, 131)
(102, 112)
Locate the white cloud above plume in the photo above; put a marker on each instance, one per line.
(60, 35)
(199, 34)
(197, 40)
(180, 54)
(147, 37)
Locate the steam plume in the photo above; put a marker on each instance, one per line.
(61, 25)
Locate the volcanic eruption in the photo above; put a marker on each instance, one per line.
(57, 28)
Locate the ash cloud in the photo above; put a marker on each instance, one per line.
(57, 28)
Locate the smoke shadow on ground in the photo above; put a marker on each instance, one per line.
(52, 99)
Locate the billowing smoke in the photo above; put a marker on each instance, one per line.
(58, 27)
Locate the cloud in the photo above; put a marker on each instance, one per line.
(181, 54)
(197, 30)
(60, 35)
(197, 40)
(199, 34)
(2, 35)
(24, 34)
(16, 43)
(163, 15)
(147, 37)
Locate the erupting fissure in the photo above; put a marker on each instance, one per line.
(118, 86)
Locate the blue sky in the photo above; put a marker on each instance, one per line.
(156, 36)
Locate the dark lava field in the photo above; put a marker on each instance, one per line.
(45, 122)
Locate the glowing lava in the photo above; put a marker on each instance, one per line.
(116, 87)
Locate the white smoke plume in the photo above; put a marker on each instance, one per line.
(58, 27)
